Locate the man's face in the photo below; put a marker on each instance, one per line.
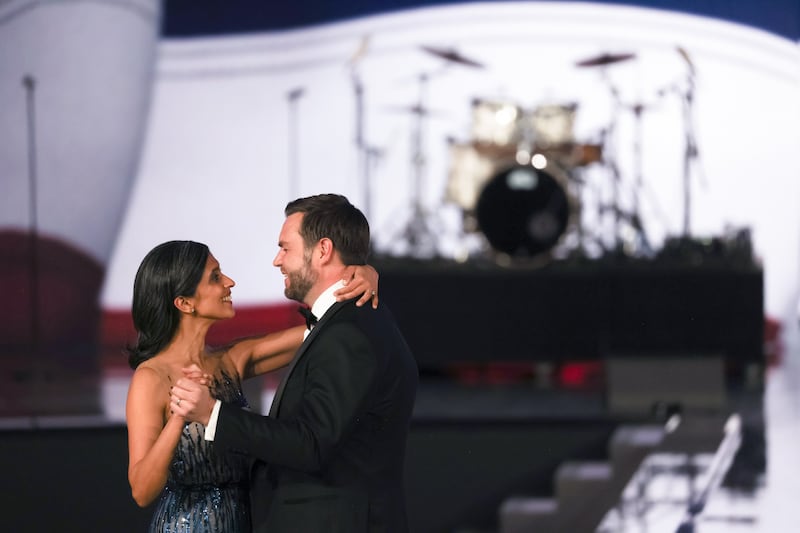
(294, 260)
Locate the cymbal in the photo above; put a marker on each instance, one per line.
(452, 56)
(604, 59)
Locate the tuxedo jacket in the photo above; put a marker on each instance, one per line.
(330, 457)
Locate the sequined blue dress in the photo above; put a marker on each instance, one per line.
(206, 492)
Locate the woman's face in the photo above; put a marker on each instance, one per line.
(212, 299)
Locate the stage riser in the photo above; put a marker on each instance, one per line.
(467, 313)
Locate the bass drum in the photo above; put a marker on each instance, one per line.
(524, 211)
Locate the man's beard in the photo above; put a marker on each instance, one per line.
(301, 281)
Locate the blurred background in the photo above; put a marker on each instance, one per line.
(586, 217)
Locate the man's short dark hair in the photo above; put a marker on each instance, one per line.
(334, 217)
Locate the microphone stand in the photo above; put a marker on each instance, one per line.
(293, 96)
(29, 83)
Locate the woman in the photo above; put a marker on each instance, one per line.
(179, 292)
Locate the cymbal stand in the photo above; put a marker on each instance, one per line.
(690, 153)
(418, 234)
(611, 162)
(635, 215)
(587, 241)
(366, 154)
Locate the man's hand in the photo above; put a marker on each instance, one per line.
(191, 400)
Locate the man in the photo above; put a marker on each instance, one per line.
(330, 456)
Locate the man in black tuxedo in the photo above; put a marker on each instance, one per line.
(330, 456)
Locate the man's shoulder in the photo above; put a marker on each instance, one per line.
(349, 311)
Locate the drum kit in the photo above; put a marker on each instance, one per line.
(513, 179)
(518, 179)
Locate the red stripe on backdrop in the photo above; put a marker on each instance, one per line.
(116, 328)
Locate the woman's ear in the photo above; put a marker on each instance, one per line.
(184, 304)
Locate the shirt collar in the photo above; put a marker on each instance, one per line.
(326, 300)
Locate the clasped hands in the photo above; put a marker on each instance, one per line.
(190, 397)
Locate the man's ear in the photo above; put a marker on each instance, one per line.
(325, 250)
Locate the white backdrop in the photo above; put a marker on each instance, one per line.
(226, 146)
(91, 64)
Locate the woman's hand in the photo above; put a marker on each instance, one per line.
(191, 400)
(360, 280)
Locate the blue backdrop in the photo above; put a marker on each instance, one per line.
(214, 17)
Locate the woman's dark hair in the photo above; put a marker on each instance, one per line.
(169, 270)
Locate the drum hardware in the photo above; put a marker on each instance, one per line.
(415, 109)
(483, 180)
(611, 161)
(608, 160)
(504, 134)
(550, 127)
(644, 246)
(367, 154)
(690, 153)
(630, 237)
(453, 56)
(637, 241)
(419, 234)
(514, 178)
(604, 59)
(586, 154)
(633, 241)
(509, 139)
(630, 222)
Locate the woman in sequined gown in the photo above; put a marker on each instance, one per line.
(179, 292)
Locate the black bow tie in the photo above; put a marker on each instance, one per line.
(311, 320)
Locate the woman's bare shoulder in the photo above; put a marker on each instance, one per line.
(152, 373)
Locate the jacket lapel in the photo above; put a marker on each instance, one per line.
(273, 410)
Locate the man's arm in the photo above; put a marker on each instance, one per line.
(339, 376)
